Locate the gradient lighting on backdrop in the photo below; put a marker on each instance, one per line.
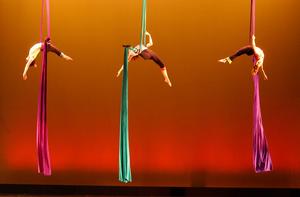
(197, 133)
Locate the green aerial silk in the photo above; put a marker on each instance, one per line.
(143, 31)
(124, 155)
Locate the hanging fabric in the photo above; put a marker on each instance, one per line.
(44, 166)
(261, 156)
(143, 24)
(252, 19)
(124, 154)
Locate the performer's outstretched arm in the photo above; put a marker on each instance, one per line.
(259, 57)
(253, 41)
(29, 61)
(120, 70)
(131, 55)
(265, 76)
(33, 53)
(150, 43)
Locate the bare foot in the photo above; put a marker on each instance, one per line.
(222, 60)
(225, 60)
(66, 57)
(168, 82)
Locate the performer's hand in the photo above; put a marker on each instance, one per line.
(253, 42)
(120, 71)
(265, 76)
(138, 51)
(29, 62)
(118, 74)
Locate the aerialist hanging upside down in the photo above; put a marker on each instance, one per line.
(147, 54)
(35, 50)
(250, 50)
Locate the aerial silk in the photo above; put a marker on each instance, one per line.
(44, 166)
(261, 155)
(124, 154)
(143, 23)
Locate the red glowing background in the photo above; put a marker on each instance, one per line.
(197, 133)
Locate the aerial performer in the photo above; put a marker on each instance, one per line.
(43, 157)
(258, 57)
(147, 54)
(261, 155)
(132, 53)
(34, 52)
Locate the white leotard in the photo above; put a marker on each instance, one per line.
(34, 51)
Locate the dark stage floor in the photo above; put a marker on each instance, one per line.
(86, 191)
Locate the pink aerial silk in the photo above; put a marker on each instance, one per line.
(261, 155)
(44, 166)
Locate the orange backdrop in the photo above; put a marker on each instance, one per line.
(197, 133)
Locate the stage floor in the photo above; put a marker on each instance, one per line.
(92, 191)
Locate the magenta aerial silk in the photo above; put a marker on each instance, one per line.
(44, 166)
(42, 130)
(261, 155)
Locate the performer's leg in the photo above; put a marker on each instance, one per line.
(149, 54)
(55, 50)
(245, 50)
(165, 75)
